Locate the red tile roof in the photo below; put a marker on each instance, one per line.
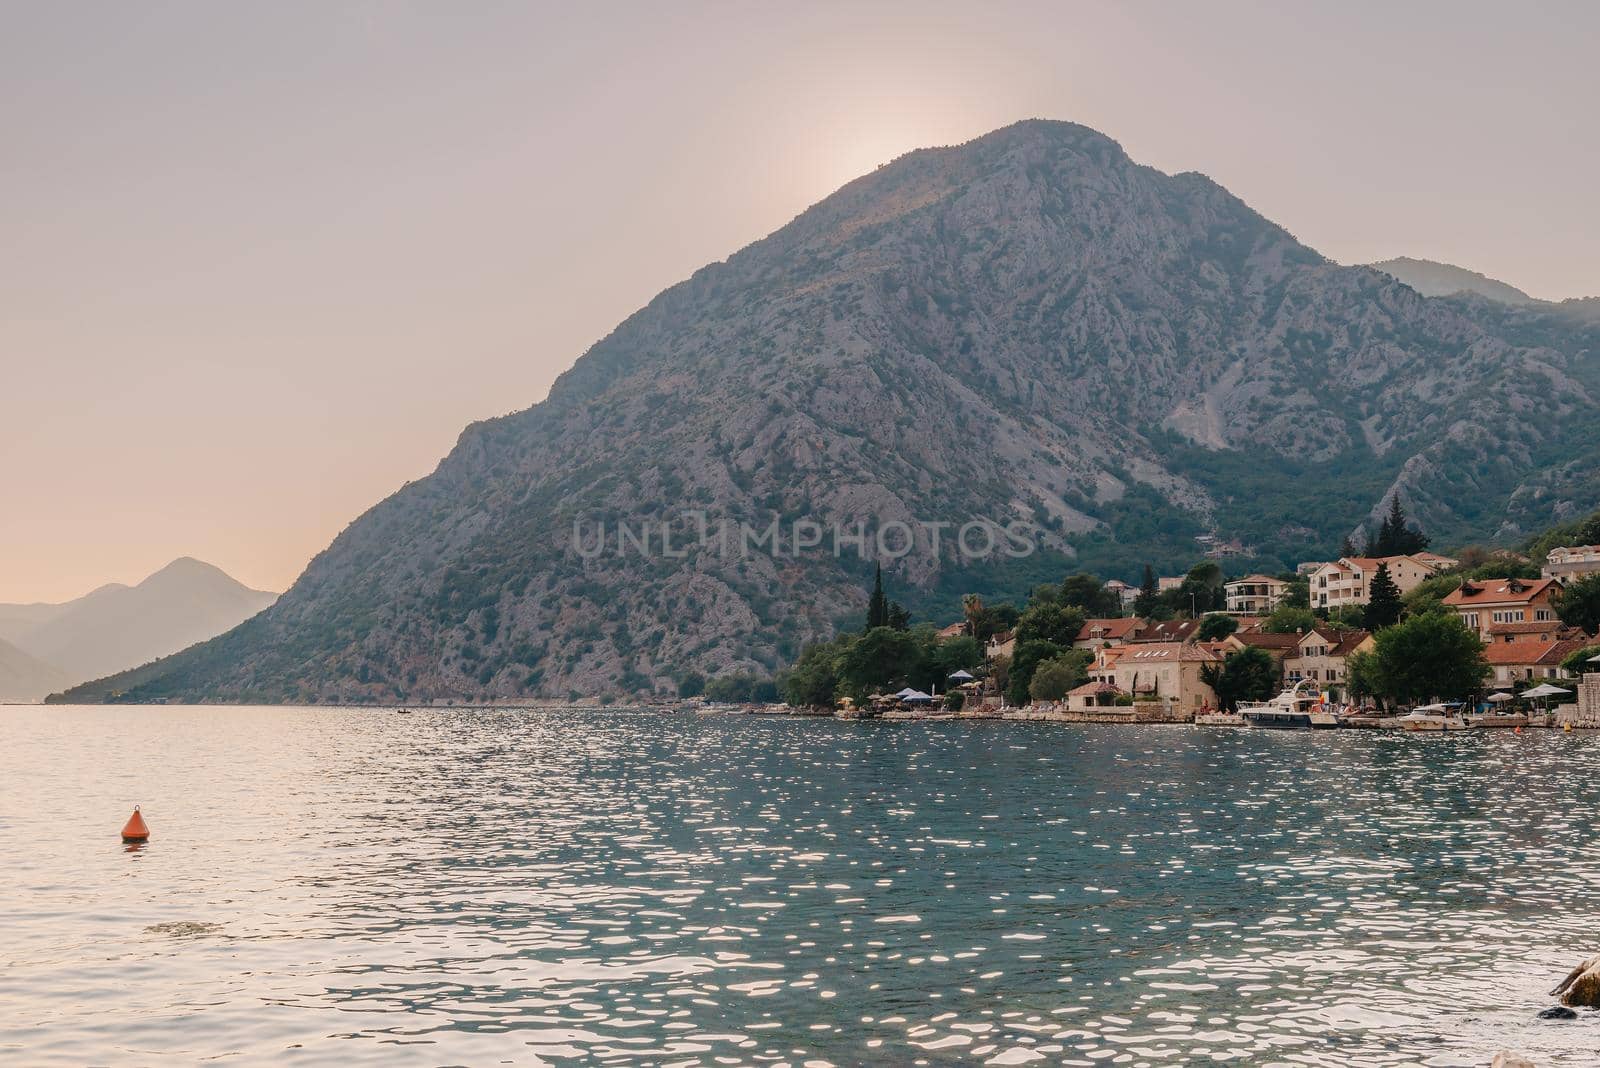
(1110, 629)
(1170, 630)
(1530, 653)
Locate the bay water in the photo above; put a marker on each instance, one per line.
(482, 887)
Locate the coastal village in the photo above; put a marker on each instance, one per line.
(1315, 633)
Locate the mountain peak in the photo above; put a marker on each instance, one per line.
(1027, 328)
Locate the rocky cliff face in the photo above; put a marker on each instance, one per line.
(1026, 328)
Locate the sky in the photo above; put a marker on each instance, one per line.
(264, 262)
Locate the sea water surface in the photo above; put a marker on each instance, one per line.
(535, 887)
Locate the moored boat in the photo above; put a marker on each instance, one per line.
(1295, 709)
(1440, 717)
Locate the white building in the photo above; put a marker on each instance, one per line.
(1348, 580)
(1254, 595)
(1571, 561)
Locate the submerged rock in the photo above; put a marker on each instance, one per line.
(1581, 987)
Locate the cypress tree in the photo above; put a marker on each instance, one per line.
(877, 604)
(1144, 605)
(1383, 600)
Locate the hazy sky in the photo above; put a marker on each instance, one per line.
(263, 262)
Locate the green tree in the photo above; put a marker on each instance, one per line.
(1051, 622)
(1579, 604)
(1429, 594)
(1145, 605)
(1216, 627)
(1427, 656)
(1200, 591)
(1286, 620)
(1025, 659)
(1054, 677)
(899, 618)
(1578, 662)
(1346, 616)
(1087, 592)
(1298, 595)
(1250, 674)
(879, 657)
(1361, 676)
(957, 654)
(1347, 548)
(691, 684)
(1045, 593)
(877, 604)
(1383, 600)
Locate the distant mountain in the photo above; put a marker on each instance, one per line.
(25, 678)
(1028, 328)
(117, 627)
(1444, 280)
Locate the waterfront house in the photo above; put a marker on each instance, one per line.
(1167, 583)
(1348, 580)
(1523, 661)
(1164, 671)
(1482, 603)
(954, 630)
(1570, 562)
(1000, 646)
(1322, 655)
(1096, 697)
(1098, 632)
(1254, 595)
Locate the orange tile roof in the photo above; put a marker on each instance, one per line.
(1498, 591)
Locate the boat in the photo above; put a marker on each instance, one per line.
(1218, 719)
(1440, 717)
(1295, 709)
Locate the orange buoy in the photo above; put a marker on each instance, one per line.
(135, 830)
(1519, 729)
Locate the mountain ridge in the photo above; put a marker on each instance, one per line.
(1029, 327)
(116, 626)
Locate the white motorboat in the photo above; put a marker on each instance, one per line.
(1295, 709)
(1439, 717)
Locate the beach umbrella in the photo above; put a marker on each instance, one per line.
(1545, 690)
(916, 695)
(907, 692)
(962, 675)
(1496, 698)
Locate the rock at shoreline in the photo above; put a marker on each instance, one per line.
(1581, 988)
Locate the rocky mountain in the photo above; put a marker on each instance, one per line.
(26, 679)
(118, 627)
(1433, 279)
(1029, 328)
